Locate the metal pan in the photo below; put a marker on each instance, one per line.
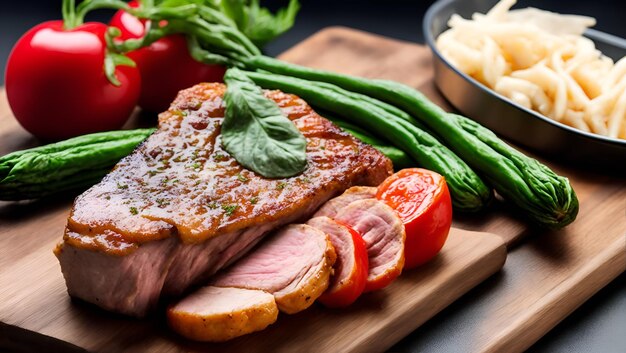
(510, 120)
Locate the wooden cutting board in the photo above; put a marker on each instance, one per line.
(33, 296)
(552, 272)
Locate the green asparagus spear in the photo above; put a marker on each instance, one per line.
(71, 164)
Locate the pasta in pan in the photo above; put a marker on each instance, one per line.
(540, 60)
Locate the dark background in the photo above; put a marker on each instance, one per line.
(394, 18)
(598, 326)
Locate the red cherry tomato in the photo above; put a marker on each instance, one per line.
(346, 292)
(56, 85)
(422, 200)
(166, 66)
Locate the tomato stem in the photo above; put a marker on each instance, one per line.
(151, 35)
(68, 10)
(212, 39)
(89, 5)
(112, 58)
(205, 56)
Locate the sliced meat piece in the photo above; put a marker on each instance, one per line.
(384, 236)
(218, 314)
(294, 265)
(355, 193)
(179, 208)
(351, 268)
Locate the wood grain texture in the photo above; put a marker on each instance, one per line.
(547, 274)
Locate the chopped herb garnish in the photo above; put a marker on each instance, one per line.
(152, 172)
(197, 182)
(196, 166)
(242, 178)
(305, 180)
(133, 210)
(162, 202)
(122, 186)
(212, 205)
(219, 157)
(254, 200)
(230, 209)
(194, 154)
(281, 185)
(177, 159)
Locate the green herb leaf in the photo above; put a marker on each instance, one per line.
(242, 178)
(258, 23)
(257, 134)
(235, 9)
(230, 209)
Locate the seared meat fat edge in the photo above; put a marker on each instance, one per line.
(215, 314)
(179, 207)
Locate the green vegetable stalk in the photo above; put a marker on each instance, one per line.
(547, 199)
(67, 165)
(468, 191)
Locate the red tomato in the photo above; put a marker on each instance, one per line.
(344, 293)
(56, 85)
(166, 66)
(422, 200)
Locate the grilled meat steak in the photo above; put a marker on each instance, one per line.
(179, 208)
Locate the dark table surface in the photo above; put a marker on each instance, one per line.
(597, 326)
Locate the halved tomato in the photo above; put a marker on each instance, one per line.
(422, 200)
